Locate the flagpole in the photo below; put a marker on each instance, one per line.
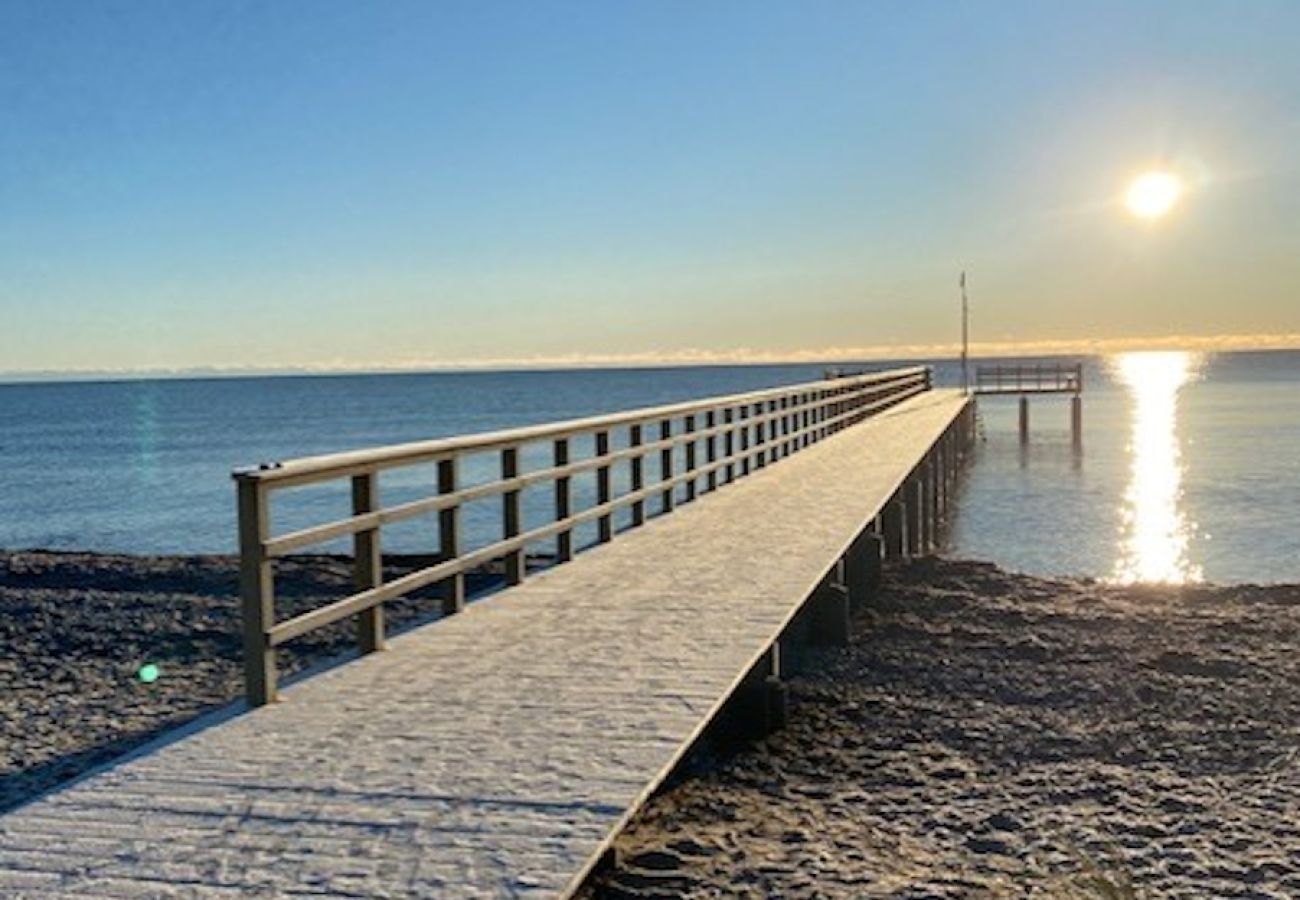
(965, 337)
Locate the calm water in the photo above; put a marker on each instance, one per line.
(1188, 469)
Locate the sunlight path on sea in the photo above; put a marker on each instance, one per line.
(1154, 528)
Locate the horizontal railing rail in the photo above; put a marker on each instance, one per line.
(694, 447)
(1064, 377)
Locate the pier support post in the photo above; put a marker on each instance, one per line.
(915, 506)
(893, 524)
(951, 453)
(830, 614)
(862, 568)
(1024, 420)
(1076, 420)
(941, 481)
(760, 703)
(935, 508)
(926, 501)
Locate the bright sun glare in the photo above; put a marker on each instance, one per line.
(1152, 195)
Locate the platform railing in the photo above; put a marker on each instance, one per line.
(701, 446)
(1029, 378)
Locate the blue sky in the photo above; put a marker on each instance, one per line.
(359, 185)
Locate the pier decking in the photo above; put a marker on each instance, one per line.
(498, 751)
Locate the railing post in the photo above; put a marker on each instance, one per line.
(711, 449)
(729, 442)
(744, 440)
(604, 524)
(774, 431)
(690, 458)
(785, 426)
(764, 431)
(453, 596)
(257, 592)
(563, 503)
(367, 562)
(666, 463)
(510, 517)
(637, 478)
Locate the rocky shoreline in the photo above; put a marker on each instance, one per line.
(985, 734)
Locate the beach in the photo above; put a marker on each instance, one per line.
(76, 629)
(985, 734)
(997, 735)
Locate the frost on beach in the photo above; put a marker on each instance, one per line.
(990, 734)
(986, 734)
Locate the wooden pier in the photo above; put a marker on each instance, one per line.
(1025, 380)
(499, 750)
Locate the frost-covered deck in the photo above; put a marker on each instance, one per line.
(496, 752)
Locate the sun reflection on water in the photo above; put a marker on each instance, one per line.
(1155, 531)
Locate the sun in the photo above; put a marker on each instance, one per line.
(1153, 194)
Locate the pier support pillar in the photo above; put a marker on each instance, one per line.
(925, 499)
(1024, 420)
(831, 614)
(941, 478)
(760, 702)
(1076, 420)
(915, 510)
(893, 524)
(936, 501)
(862, 568)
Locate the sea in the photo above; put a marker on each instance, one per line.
(1188, 469)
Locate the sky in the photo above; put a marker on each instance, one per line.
(348, 185)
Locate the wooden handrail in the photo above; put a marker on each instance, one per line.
(739, 433)
(1031, 377)
(335, 465)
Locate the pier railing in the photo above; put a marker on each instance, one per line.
(1032, 378)
(693, 448)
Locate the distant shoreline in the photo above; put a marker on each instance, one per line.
(632, 364)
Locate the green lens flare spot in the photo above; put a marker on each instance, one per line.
(148, 674)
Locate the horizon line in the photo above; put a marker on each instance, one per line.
(685, 358)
